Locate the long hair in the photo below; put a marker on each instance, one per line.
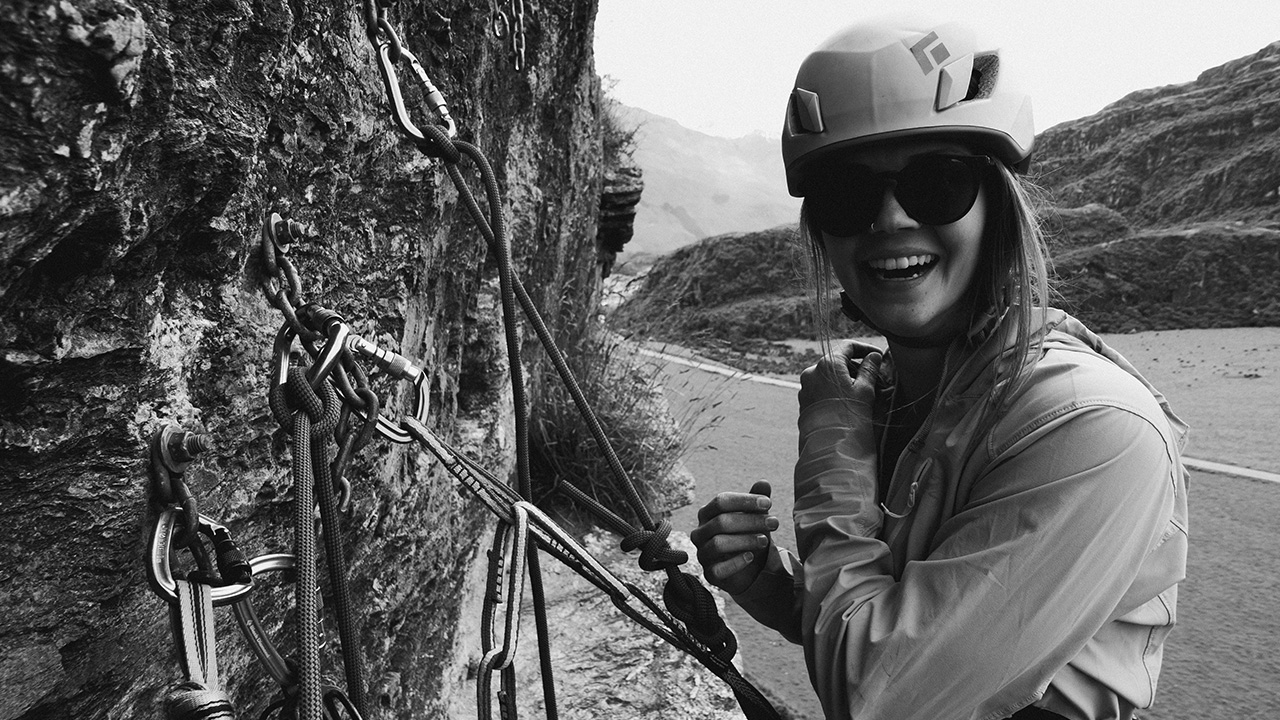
(1011, 288)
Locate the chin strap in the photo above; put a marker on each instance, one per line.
(854, 313)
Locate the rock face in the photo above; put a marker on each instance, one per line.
(623, 187)
(142, 144)
(1200, 151)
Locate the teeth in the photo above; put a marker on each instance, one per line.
(901, 263)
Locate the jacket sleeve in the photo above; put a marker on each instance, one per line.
(1036, 562)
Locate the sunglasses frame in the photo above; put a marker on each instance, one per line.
(977, 165)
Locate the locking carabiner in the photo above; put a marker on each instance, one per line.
(390, 51)
(400, 368)
(236, 573)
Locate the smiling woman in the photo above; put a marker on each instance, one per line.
(990, 513)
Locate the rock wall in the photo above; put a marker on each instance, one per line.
(1207, 150)
(142, 143)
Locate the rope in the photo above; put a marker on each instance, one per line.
(335, 554)
(315, 418)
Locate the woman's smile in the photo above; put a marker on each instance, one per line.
(899, 269)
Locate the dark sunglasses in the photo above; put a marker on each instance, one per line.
(933, 189)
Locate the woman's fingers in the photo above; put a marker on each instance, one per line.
(726, 569)
(731, 502)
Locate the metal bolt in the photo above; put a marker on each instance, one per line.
(185, 446)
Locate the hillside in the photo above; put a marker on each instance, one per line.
(1199, 151)
(1166, 216)
(697, 185)
(728, 287)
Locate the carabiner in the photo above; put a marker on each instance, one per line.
(325, 359)
(499, 656)
(400, 368)
(335, 329)
(284, 673)
(387, 51)
(160, 568)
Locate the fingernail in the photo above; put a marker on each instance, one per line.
(748, 557)
(771, 523)
(764, 503)
(762, 541)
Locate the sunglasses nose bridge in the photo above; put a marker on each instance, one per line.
(891, 217)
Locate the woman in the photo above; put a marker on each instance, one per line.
(990, 515)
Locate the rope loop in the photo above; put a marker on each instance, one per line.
(692, 604)
(655, 553)
(437, 143)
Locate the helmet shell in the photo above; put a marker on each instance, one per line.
(903, 77)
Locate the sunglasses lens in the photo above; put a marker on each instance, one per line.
(934, 190)
(849, 203)
(938, 190)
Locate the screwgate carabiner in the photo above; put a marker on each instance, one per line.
(387, 50)
(400, 368)
(160, 568)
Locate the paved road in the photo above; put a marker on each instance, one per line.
(1222, 660)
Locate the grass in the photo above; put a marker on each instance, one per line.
(626, 391)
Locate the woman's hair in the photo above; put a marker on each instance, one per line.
(1011, 285)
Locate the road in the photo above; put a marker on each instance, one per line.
(1220, 662)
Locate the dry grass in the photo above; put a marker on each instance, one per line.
(625, 390)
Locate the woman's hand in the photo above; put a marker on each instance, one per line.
(847, 373)
(733, 537)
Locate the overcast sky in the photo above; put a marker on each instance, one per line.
(726, 67)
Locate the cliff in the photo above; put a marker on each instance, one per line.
(142, 144)
(1200, 151)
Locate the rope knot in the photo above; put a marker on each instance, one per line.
(691, 603)
(437, 143)
(297, 395)
(655, 553)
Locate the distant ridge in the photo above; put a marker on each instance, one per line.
(697, 185)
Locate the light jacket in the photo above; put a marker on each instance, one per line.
(1037, 562)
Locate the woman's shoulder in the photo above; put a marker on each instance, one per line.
(1071, 377)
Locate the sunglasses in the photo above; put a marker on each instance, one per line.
(933, 189)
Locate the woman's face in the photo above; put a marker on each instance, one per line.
(908, 278)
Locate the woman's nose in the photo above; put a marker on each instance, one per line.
(892, 217)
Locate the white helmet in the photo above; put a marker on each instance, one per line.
(902, 77)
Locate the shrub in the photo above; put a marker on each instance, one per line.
(626, 391)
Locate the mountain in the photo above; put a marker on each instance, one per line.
(1192, 152)
(697, 185)
(1163, 213)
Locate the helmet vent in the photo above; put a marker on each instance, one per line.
(982, 81)
(805, 114)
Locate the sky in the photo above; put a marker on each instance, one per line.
(726, 67)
